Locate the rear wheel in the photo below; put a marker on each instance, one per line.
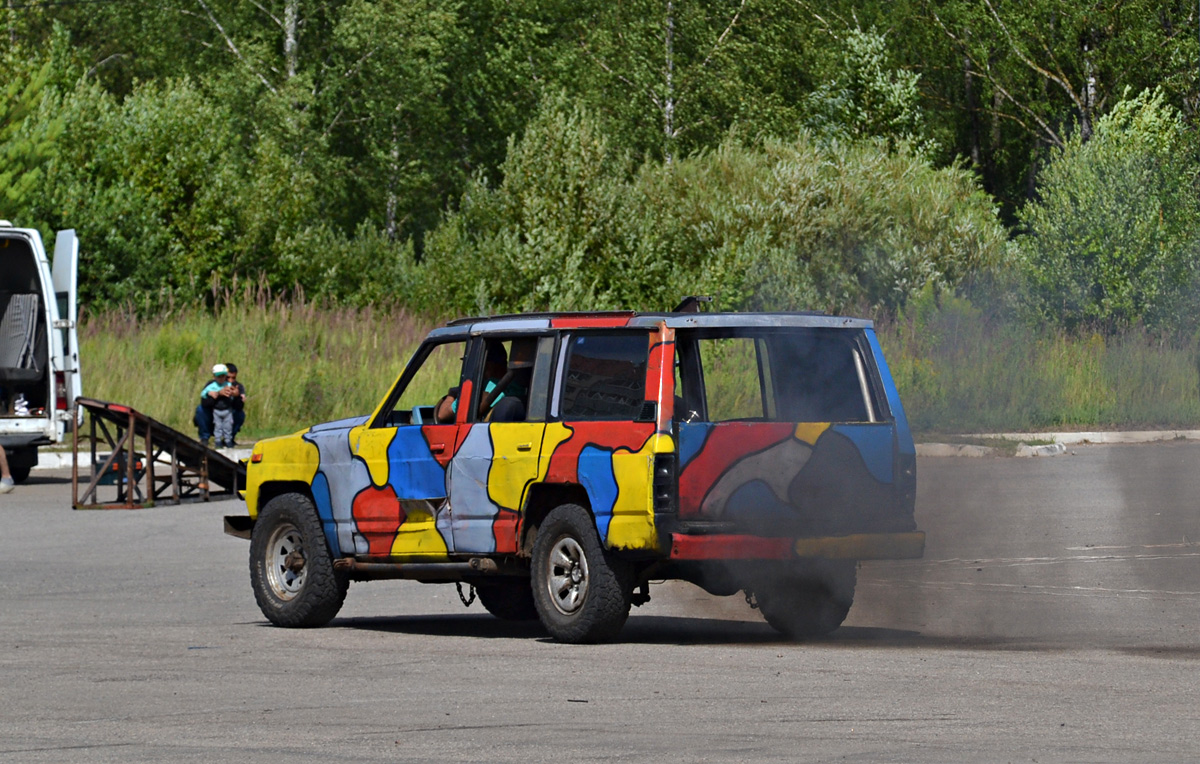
(20, 474)
(291, 569)
(810, 602)
(20, 462)
(581, 591)
(508, 599)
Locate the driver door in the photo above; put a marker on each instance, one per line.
(404, 514)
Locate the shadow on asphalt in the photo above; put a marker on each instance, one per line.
(680, 630)
(43, 478)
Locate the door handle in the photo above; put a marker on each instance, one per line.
(437, 448)
(524, 446)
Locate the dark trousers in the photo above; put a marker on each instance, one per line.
(203, 419)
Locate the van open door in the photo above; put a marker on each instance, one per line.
(65, 273)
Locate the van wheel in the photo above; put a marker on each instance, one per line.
(20, 474)
(508, 600)
(811, 604)
(291, 569)
(581, 591)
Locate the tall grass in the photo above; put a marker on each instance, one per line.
(301, 363)
(957, 371)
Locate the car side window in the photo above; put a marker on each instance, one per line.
(604, 376)
(439, 374)
(504, 392)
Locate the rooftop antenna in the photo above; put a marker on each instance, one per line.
(691, 304)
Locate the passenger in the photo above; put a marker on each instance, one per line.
(237, 397)
(6, 478)
(215, 398)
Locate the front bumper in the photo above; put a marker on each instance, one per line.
(856, 546)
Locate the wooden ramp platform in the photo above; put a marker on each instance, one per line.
(166, 467)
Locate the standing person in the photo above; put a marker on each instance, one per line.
(216, 398)
(6, 478)
(237, 398)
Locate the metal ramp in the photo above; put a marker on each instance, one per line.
(168, 468)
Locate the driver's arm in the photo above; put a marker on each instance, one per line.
(444, 412)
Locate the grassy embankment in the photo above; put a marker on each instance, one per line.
(304, 364)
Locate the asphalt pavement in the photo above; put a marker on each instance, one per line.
(1054, 618)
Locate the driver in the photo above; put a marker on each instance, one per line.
(495, 366)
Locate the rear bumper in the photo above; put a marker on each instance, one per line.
(857, 546)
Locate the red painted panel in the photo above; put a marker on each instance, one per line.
(729, 547)
(590, 322)
(727, 444)
(379, 516)
(564, 463)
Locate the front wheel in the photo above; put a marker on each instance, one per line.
(580, 590)
(291, 569)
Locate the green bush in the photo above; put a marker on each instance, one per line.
(775, 224)
(1112, 239)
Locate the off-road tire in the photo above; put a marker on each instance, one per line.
(308, 596)
(509, 599)
(811, 603)
(582, 592)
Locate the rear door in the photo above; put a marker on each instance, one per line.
(65, 274)
(497, 458)
(784, 433)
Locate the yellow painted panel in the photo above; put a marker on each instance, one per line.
(513, 470)
(418, 537)
(286, 459)
(632, 524)
(808, 432)
(372, 447)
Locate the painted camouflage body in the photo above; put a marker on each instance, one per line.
(434, 492)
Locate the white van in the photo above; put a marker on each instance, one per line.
(39, 347)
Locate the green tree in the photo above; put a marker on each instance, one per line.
(868, 96)
(26, 141)
(1112, 238)
(772, 224)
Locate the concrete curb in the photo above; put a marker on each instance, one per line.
(1061, 441)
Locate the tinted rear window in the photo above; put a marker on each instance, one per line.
(605, 376)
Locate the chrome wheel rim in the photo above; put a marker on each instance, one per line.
(286, 569)
(567, 582)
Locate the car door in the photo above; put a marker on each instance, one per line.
(497, 458)
(65, 275)
(402, 510)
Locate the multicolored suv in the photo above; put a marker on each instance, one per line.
(558, 463)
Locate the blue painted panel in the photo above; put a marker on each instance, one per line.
(320, 490)
(904, 438)
(874, 443)
(692, 436)
(598, 479)
(412, 470)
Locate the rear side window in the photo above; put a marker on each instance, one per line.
(604, 376)
(788, 376)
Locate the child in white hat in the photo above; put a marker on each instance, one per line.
(214, 394)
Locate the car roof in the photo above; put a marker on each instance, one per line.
(541, 322)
